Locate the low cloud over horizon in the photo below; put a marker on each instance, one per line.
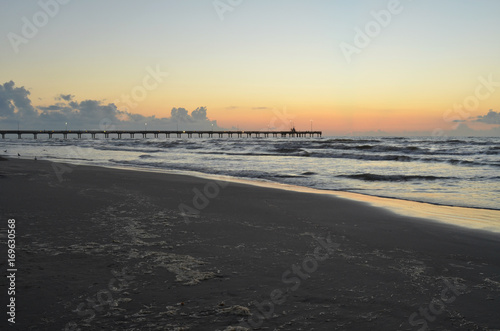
(16, 108)
(491, 118)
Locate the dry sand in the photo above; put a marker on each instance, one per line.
(108, 249)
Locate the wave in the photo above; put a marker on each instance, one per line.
(450, 158)
(355, 149)
(393, 178)
(308, 173)
(367, 157)
(134, 149)
(351, 140)
(288, 176)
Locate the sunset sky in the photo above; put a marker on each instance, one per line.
(349, 66)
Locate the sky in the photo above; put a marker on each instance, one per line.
(395, 67)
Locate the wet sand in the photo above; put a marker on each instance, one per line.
(108, 249)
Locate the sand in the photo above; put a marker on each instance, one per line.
(109, 249)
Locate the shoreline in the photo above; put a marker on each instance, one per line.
(409, 181)
(470, 217)
(111, 249)
(465, 217)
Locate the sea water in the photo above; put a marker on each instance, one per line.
(444, 171)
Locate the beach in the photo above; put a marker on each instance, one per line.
(111, 249)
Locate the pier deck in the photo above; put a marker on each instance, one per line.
(158, 133)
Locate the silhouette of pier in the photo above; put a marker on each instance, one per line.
(158, 133)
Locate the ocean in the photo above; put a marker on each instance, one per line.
(460, 172)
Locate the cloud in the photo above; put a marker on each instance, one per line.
(16, 107)
(15, 103)
(179, 115)
(199, 114)
(67, 97)
(232, 107)
(491, 118)
(260, 108)
(463, 130)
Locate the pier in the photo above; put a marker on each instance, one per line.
(158, 133)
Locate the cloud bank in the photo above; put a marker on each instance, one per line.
(491, 118)
(16, 108)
